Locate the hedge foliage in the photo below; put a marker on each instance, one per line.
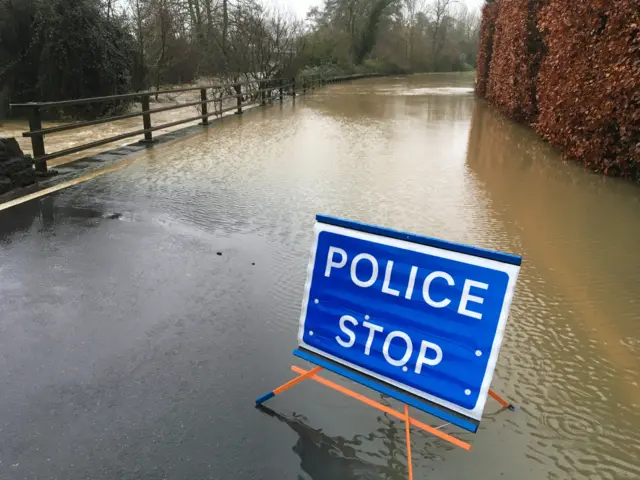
(485, 47)
(511, 85)
(572, 71)
(589, 82)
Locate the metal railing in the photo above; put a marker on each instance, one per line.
(246, 93)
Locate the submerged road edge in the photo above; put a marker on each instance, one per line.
(168, 138)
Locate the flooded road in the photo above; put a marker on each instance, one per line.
(145, 310)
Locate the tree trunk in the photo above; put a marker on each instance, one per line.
(192, 16)
(163, 47)
(225, 24)
(209, 21)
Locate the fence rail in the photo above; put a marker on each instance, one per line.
(246, 93)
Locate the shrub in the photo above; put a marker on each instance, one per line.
(589, 83)
(485, 48)
(572, 70)
(515, 60)
(380, 65)
(63, 49)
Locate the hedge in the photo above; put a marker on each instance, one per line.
(572, 71)
(515, 60)
(485, 47)
(589, 83)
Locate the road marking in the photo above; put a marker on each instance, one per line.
(97, 173)
(91, 175)
(70, 183)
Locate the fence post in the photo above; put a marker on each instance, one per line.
(238, 88)
(37, 141)
(146, 120)
(203, 97)
(281, 91)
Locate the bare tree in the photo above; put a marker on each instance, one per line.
(163, 21)
(439, 11)
(412, 10)
(225, 24)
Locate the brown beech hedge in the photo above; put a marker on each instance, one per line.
(572, 71)
(515, 60)
(485, 47)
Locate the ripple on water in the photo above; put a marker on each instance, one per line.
(426, 91)
(569, 356)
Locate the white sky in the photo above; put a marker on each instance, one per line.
(300, 7)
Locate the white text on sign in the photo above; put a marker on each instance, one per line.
(425, 346)
(337, 258)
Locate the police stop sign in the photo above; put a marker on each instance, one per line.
(423, 315)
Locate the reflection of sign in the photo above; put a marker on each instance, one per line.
(423, 315)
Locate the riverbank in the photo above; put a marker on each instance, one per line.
(572, 73)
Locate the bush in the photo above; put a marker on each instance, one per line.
(368, 66)
(485, 48)
(329, 70)
(183, 67)
(515, 60)
(589, 83)
(380, 65)
(63, 49)
(572, 70)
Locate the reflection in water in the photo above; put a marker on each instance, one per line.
(15, 225)
(327, 458)
(436, 91)
(45, 215)
(375, 103)
(578, 342)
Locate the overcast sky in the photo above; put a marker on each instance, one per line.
(300, 7)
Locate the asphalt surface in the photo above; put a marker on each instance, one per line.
(128, 349)
(143, 311)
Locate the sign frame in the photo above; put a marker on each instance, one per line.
(465, 418)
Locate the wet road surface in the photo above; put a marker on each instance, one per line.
(144, 310)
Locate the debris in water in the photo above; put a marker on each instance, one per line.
(219, 254)
(114, 216)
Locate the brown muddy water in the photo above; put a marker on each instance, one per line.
(72, 138)
(417, 153)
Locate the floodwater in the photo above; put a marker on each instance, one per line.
(145, 310)
(71, 138)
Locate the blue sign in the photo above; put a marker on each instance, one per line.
(423, 315)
